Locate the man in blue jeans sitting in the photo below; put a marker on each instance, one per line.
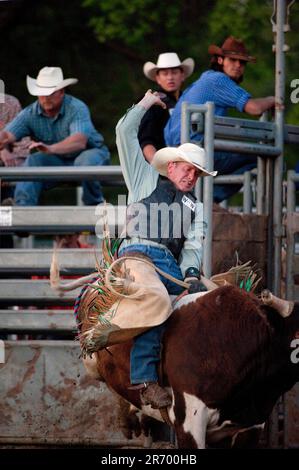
(63, 135)
(164, 223)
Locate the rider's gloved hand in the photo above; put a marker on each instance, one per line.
(195, 286)
(192, 277)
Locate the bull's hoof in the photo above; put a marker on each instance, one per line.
(128, 421)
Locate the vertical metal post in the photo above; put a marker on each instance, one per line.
(279, 140)
(185, 137)
(261, 178)
(277, 180)
(290, 265)
(269, 213)
(291, 207)
(185, 123)
(260, 185)
(208, 188)
(291, 192)
(79, 194)
(247, 197)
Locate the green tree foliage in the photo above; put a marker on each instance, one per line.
(252, 23)
(141, 29)
(144, 28)
(56, 33)
(104, 43)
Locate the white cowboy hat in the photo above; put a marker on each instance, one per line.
(168, 60)
(189, 153)
(49, 80)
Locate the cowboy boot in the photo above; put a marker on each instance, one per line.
(154, 395)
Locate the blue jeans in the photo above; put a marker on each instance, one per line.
(145, 353)
(27, 193)
(231, 163)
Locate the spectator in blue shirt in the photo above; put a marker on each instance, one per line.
(220, 85)
(63, 134)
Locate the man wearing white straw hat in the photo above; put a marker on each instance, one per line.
(63, 135)
(169, 74)
(165, 224)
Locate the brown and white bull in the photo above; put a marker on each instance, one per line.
(227, 358)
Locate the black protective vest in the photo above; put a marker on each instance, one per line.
(163, 217)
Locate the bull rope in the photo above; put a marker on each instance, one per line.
(207, 282)
(85, 280)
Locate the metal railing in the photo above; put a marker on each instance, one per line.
(104, 173)
(241, 129)
(292, 228)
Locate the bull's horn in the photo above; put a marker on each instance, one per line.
(55, 277)
(283, 307)
(210, 285)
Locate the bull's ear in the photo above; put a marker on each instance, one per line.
(283, 307)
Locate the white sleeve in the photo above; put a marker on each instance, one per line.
(140, 178)
(191, 254)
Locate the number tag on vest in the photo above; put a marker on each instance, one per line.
(188, 203)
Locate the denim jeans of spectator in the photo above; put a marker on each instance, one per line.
(227, 163)
(145, 353)
(27, 193)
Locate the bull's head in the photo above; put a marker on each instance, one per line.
(283, 307)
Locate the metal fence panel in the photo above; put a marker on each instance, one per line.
(30, 320)
(34, 292)
(47, 398)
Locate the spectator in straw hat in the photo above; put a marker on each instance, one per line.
(169, 74)
(220, 85)
(63, 132)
